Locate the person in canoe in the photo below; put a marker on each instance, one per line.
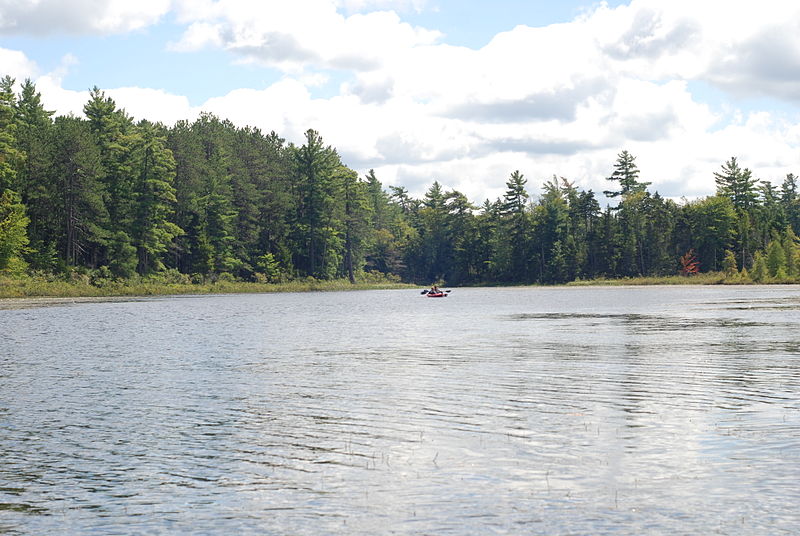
(434, 290)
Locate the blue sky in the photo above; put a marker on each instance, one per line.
(463, 92)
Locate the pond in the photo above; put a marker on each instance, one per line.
(596, 410)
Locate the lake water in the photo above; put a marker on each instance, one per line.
(631, 410)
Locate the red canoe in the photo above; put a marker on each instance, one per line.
(437, 295)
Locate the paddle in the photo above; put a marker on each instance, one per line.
(424, 291)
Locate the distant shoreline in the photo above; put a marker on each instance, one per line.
(33, 292)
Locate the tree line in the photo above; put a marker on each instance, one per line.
(111, 197)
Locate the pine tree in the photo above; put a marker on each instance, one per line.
(626, 173)
(517, 227)
(8, 140)
(77, 172)
(112, 128)
(738, 184)
(315, 164)
(790, 201)
(38, 191)
(154, 165)
(357, 216)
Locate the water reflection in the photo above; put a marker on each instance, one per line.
(497, 411)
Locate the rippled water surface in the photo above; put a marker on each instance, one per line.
(667, 410)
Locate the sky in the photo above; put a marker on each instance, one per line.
(460, 91)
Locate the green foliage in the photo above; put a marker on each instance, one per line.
(154, 167)
(710, 226)
(122, 255)
(9, 154)
(760, 270)
(107, 200)
(737, 184)
(269, 270)
(729, 264)
(791, 248)
(13, 236)
(34, 178)
(776, 259)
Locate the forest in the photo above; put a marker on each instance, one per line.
(106, 197)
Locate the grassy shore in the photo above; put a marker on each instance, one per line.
(709, 278)
(34, 287)
(712, 278)
(85, 287)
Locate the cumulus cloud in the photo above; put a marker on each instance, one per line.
(745, 48)
(765, 64)
(292, 35)
(16, 64)
(558, 104)
(152, 104)
(46, 17)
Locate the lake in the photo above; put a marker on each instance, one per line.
(598, 410)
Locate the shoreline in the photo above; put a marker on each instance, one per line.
(32, 292)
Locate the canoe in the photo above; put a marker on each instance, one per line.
(437, 295)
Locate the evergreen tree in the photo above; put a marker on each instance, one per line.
(464, 240)
(315, 164)
(790, 201)
(111, 128)
(263, 199)
(518, 227)
(658, 251)
(776, 258)
(741, 188)
(213, 207)
(626, 173)
(433, 249)
(768, 213)
(729, 264)
(38, 191)
(9, 155)
(791, 252)
(187, 151)
(388, 228)
(632, 227)
(738, 184)
(712, 224)
(77, 172)
(760, 270)
(153, 232)
(551, 229)
(357, 218)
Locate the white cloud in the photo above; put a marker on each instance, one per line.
(199, 35)
(152, 104)
(16, 65)
(292, 35)
(46, 17)
(56, 98)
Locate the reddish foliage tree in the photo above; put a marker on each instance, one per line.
(689, 263)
